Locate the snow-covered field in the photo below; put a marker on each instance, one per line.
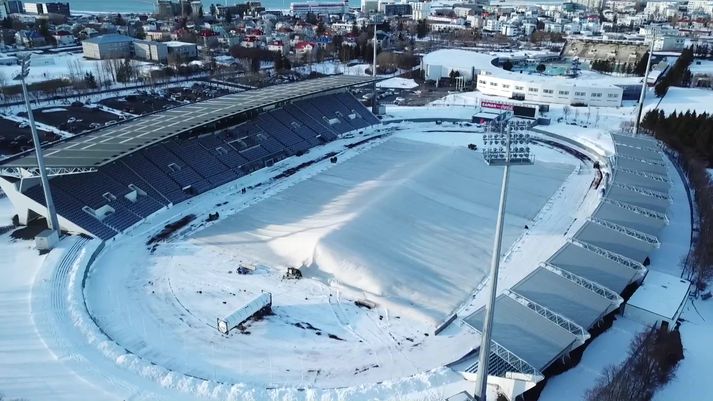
(682, 100)
(386, 223)
(57, 66)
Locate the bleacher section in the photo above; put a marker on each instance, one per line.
(549, 312)
(122, 193)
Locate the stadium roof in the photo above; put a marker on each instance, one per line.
(614, 241)
(525, 332)
(564, 296)
(103, 146)
(593, 266)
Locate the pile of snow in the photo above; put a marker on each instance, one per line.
(407, 224)
(397, 83)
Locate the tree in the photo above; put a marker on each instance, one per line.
(421, 29)
(507, 65)
(213, 10)
(89, 80)
(119, 20)
(228, 16)
(320, 30)
(540, 68)
(140, 33)
(255, 64)
(640, 68)
(311, 18)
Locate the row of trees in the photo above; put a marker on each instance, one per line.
(677, 75)
(691, 136)
(610, 66)
(653, 357)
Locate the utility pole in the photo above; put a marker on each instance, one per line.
(497, 151)
(642, 97)
(52, 222)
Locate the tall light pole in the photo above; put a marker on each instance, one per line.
(501, 148)
(374, 105)
(52, 222)
(642, 96)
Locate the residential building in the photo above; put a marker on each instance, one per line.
(108, 47)
(327, 8)
(182, 50)
(420, 10)
(47, 8)
(150, 50)
(12, 6)
(401, 9)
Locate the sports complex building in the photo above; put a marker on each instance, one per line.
(106, 181)
(493, 80)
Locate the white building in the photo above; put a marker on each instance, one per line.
(420, 10)
(669, 43)
(368, 6)
(107, 47)
(660, 299)
(181, 50)
(704, 6)
(492, 80)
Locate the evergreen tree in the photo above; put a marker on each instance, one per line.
(640, 68)
(89, 80)
(421, 29)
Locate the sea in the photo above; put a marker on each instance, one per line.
(148, 6)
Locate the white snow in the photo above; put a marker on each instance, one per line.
(682, 100)
(610, 348)
(397, 83)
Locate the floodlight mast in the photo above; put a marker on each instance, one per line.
(52, 222)
(642, 96)
(497, 157)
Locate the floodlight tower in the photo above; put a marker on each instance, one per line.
(374, 105)
(642, 96)
(52, 222)
(506, 145)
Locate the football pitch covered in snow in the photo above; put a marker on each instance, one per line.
(406, 223)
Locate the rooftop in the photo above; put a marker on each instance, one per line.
(97, 148)
(661, 293)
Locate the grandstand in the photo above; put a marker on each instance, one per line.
(546, 315)
(134, 169)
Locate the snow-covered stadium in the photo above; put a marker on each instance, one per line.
(188, 215)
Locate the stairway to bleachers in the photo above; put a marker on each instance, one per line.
(126, 191)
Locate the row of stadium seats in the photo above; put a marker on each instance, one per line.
(124, 192)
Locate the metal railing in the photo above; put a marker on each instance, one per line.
(638, 210)
(622, 260)
(655, 177)
(550, 315)
(628, 231)
(509, 358)
(585, 283)
(644, 191)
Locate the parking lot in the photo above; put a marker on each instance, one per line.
(401, 97)
(195, 93)
(16, 137)
(139, 104)
(75, 118)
